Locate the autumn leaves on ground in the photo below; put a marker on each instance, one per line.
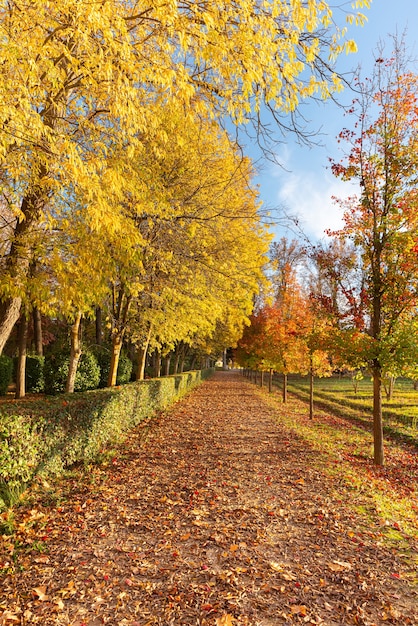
(216, 513)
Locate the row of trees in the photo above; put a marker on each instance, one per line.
(120, 190)
(359, 306)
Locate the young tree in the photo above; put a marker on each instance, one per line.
(383, 222)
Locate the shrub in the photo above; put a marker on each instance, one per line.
(77, 427)
(6, 373)
(19, 447)
(35, 380)
(124, 369)
(88, 373)
(56, 373)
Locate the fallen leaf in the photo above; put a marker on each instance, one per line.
(40, 593)
(185, 537)
(9, 617)
(299, 609)
(225, 620)
(276, 566)
(339, 566)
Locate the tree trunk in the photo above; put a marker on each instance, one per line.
(379, 457)
(167, 365)
(75, 354)
(37, 332)
(21, 363)
(18, 259)
(9, 314)
(142, 357)
(311, 390)
(390, 388)
(117, 340)
(99, 326)
(284, 390)
(270, 380)
(157, 364)
(261, 378)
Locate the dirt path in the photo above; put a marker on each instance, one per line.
(216, 517)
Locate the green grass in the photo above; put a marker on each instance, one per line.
(400, 415)
(386, 497)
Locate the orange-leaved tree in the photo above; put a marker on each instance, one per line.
(383, 221)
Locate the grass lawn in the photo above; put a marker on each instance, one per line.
(341, 435)
(400, 415)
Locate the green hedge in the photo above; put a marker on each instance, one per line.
(60, 431)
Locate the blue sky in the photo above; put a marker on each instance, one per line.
(304, 186)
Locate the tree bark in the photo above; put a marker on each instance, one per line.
(21, 363)
(261, 378)
(142, 357)
(390, 388)
(75, 353)
(121, 306)
(379, 457)
(18, 259)
(270, 380)
(184, 353)
(99, 327)
(157, 364)
(311, 389)
(167, 365)
(37, 332)
(9, 314)
(179, 360)
(117, 341)
(284, 390)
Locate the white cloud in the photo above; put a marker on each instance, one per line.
(307, 195)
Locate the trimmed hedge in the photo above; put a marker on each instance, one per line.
(78, 428)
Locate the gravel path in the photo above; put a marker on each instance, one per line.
(212, 514)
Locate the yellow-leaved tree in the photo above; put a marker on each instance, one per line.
(194, 246)
(79, 80)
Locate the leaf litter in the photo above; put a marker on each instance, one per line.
(217, 517)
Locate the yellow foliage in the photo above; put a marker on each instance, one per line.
(102, 105)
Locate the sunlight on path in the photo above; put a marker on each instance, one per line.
(216, 518)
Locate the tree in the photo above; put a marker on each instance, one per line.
(287, 318)
(80, 79)
(275, 339)
(193, 244)
(383, 221)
